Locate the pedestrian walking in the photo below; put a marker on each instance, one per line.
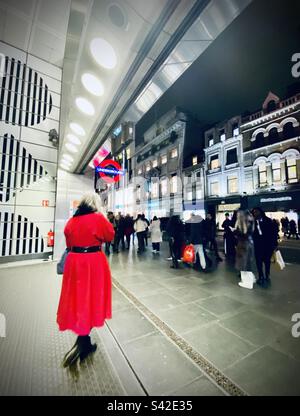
(140, 227)
(85, 300)
(293, 230)
(129, 230)
(146, 230)
(211, 231)
(265, 242)
(175, 231)
(156, 234)
(111, 219)
(229, 238)
(196, 236)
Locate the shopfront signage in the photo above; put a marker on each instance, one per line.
(228, 207)
(279, 199)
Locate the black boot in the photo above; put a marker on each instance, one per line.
(71, 356)
(85, 347)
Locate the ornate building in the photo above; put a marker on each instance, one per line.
(271, 153)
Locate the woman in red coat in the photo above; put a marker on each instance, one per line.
(85, 300)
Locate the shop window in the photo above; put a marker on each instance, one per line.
(138, 193)
(128, 153)
(291, 170)
(214, 188)
(174, 153)
(288, 131)
(276, 171)
(199, 193)
(164, 187)
(173, 184)
(148, 167)
(232, 185)
(164, 159)
(195, 160)
(214, 162)
(154, 163)
(231, 156)
(140, 171)
(262, 174)
(189, 195)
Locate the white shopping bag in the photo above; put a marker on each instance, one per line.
(279, 262)
(248, 279)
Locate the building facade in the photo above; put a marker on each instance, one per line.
(271, 153)
(224, 190)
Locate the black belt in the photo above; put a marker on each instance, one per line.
(92, 249)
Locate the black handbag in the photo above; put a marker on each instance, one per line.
(61, 264)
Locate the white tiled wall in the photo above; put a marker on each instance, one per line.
(25, 222)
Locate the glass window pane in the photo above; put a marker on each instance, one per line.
(291, 162)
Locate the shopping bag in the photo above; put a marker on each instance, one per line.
(61, 264)
(189, 254)
(279, 262)
(247, 279)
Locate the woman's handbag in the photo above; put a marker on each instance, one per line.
(278, 260)
(189, 254)
(61, 264)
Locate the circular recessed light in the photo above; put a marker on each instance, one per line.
(71, 147)
(92, 84)
(85, 106)
(62, 165)
(103, 53)
(77, 129)
(73, 139)
(68, 157)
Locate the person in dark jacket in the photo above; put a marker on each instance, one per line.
(120, 232)
(210, 232)
(147, 229)
(265, 242)
(229, 238)
(293, 230)
(196, 236)
(175, 231)
(128, 229)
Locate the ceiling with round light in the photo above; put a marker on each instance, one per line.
(103, 53)
(121, 56)
(92, 84)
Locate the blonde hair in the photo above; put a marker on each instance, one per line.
(91, 200)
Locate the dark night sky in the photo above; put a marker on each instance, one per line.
(235, 73)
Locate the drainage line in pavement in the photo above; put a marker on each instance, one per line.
(209, 369)
(127, 360)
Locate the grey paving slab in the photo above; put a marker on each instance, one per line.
(253, 327)
(160, 365)
(186, 317)
(287, 344)
(189, 294)
(201, 387)
(144, 289)
(221, 305)
(160, 301)
(218, 345)
(267, 372)
(119, 301)
(130, 324)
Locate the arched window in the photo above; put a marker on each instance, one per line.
(260, 140)
(273, 135)
(288, 131)
(271, 106)
(262, 174)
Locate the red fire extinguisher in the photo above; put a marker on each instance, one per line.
(50, 239)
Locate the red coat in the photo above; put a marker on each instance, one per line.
(85, 300)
